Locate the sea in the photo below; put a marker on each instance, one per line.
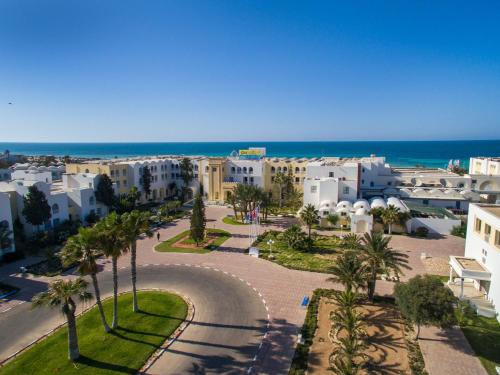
(397, 153)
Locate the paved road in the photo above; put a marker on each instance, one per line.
(228, 327)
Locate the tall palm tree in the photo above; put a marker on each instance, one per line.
(81, 249)
(281, 180)
(380, 258)
(390, 216)
(350, 271)
(111, 243)
(309, 215)
(134, 224)
(61, 293)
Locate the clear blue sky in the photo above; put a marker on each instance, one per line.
(248, 70)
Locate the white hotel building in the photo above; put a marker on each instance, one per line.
(476, 275)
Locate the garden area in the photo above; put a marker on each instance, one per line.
(123, 350)
(319, 258)
(183, 243)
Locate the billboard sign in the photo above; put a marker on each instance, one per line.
(253, 153)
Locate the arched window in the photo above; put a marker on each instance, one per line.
(244, 169)
(273, 169)
(207, 168)
(55, 208)
(297, 169)
(250, 170)
(285, 169)
(239, 169)
(303, 169)
(86, 170)
(233, 169)
(92, 201)
(279, 169)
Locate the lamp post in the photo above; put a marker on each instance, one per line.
(270, 243)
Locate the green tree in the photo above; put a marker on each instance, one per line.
(60, 293)
(295, 238)
(82, 249)
(333, 219)
(390, 216)
(198, 220)
(350, 271)
(187, 175)
(309, 216)
(281, 181)
(36, 208)
(172, 188)
(5, 236)
(104, 191)
(134, 225)
(380, 258)
(351, 241)
(425, 301)
(146, 181)
(111, 243)
(459, 230)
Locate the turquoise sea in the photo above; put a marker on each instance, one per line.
(398, 153)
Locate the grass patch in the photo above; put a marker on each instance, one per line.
(168, 245)
(231, 220)
(124, 350)
(483, 335)
(319, 259)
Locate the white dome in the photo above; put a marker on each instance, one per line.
(378, 203)
(341, 209)
(344, 204)
(362, 203)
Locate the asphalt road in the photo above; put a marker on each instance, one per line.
(229, 323)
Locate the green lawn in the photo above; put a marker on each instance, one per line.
(232, 221)
(319, 259)
(123, 350)
(167, 246)
(483, 335)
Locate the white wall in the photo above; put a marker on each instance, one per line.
(235, 171)
(435, 225)
(485, 253)
(6, 219)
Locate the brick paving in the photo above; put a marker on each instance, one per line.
(283, 289)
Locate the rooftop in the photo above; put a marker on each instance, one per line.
(493, 209)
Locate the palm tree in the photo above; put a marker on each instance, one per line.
(134, 224)
(81, 248)
(60, 293)
(309, 215)
(351, 241)
(380, 258)
(112, 244)
(390, 216)
(281, 180)
(350, 271)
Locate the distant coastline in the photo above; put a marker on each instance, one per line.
(398, 153)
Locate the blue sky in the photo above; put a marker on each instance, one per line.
(248, 70)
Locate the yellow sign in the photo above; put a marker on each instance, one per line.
(251, 152)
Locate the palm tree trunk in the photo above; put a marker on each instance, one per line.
(390, 228)
(371, 285)
(281, 196)
(133, 270)
(418, 332)
(114, 325)
(99, 303)
(73, 352)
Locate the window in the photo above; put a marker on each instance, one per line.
(297, 169)
(487, 232)
(363, 170)
(314, 189)
(330, 174)
(239, 169)
(91, 201)
(477, 225)
(124, 182)
(233, 169)
(124, 172)
(251, 180)
(207, 169)
(250, 170)
(297, 180)
(245, 180)
(196, 175)
(99, 211)
(363, 182)
(372, 184)
(245, 170)
(86, 171)
(214, 169)
(285, 169)
(196, 167)
(118, 184)
(425, 201)
(272, 179)
(273, 169)
(113, 172)
(346, 189)
(279, 169)
(303, 169)
(55, 208)
(497, 238)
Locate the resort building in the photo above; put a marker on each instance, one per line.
(476, 275)
(485, 166)
(6, 223)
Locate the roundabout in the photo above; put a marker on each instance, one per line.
(225, 335)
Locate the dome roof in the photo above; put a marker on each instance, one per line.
(344, 204)
(378, 203)
(361, 211)
(363, 203)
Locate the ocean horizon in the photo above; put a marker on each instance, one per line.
(397, 153)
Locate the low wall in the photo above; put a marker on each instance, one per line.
(440, 226)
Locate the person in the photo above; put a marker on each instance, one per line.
(158, 235)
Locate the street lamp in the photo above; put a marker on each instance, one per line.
(270, 243)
